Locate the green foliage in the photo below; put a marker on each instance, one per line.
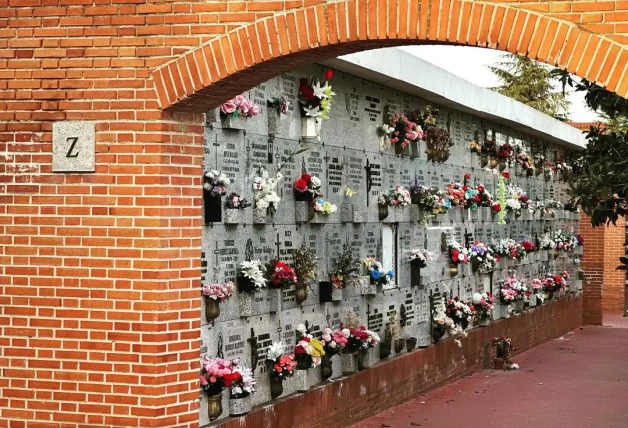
(602, 185)
(529, 82)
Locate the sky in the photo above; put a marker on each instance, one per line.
(470, 64)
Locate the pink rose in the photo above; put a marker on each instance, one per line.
(228, 107)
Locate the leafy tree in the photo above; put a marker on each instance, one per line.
(529, 82)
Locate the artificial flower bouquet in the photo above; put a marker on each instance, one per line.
(536, 286)
(506, 152)
(510, 249)
(525, 160)
(483, 304)
(458, 253)
(252, 276)
(308, 351)
(237, 202)
(546, 242)
(343, 267)
(280, 275)
(316, 96)
(457, 194)
(459, 312)
(242, 382)
(281, 363)
(279, 104)
(513, 289)
(562, 167)
(400, 130)
(376, 271)
(420, 257)
(549, 169)
(529, 246)
(216, 183)
(333, 342)
(324, 207)
(482, 257)
(475, 147)
(264, 190)
(216, 374)
(397, 196)
(502, 346)
(307, 188)
(431, 201)
(239, 106)
(359, 339)
(551, 206)
(441, 324)
(555, 282)
(219, 292)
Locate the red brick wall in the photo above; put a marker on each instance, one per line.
(391, 382)
(99, 273)
(603, 284)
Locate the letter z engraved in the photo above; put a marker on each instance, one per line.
(74, 141)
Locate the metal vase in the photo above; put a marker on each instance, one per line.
(276, 387)
(349, 365)
(300, 293)
(212, 309)
(232, 216)
(326, 368)
(214, 406)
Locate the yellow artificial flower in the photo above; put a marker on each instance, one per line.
(317, 348)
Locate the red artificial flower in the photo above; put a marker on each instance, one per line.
(329, 74)
(524, 199)
(231, 377)
(455, 254)
(300, 185)
(506, 175)
(497, 258)
(307, 178)
(299, 350)
(480, 188)
(307, 92)
(496, 207)
(476, 197)
(465, 188)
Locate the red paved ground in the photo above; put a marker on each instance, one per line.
(577, 381)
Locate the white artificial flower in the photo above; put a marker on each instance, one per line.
(477, 297)
(319, 91)
(346, 332)
(236, 390)
(301, 328)
(265, 174)
(461, 257)
(316, 182)
(262, 204)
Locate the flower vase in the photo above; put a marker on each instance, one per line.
(274, 122)
(245, 304)
(414, 149)
(309, 127)
(336, 294)
(259, 216)
(367, 288)
(399, 345)
(232, 216)
(212, 207)
(442, 155)
(483, 160)
(529, 172)
(233, 122)
(276, 387)
(346, 213)
(485, 321)
(399, 213)
(385, 348)
(415, 274)
(318, 217)
(301, 378)
(499, 363)
(214, 406)
(212, 309)
(382, 211)
(411, 344)
(502, 164)
(532, 301)
(453, 269)
(274, 300)
(432, 154)
(518, 305)
(366, 359)
(327, 368)
(239, 406)
(438, 333)
(300, 293)
(349, 364)
(302, 212)
(493, 162)
(402, 151)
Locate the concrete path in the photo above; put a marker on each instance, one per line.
(577, 381)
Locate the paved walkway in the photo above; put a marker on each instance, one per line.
(577, 381)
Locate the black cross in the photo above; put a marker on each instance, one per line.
(269, 149)
(248, 155)
(468, 238)
(216, 144)
(277, 244)
(279, 329)
(369, 181)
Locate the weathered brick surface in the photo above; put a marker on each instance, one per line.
(99, 273)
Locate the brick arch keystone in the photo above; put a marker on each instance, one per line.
(204, 77)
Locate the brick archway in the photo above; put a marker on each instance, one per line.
(250, 54)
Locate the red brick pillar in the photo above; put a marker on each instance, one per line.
(603, 284)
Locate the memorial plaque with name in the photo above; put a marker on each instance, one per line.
(372, 108)
(352, 104)
(410, 310)
(375, 318)
(335, 174)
